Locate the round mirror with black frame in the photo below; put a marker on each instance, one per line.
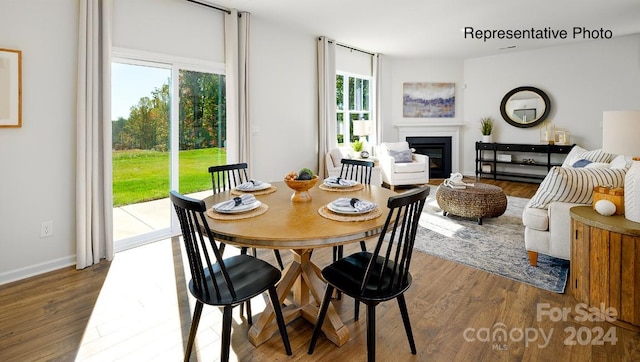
(525, 107)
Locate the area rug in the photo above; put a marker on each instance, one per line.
(496, 246)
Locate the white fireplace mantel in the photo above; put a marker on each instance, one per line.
(435, 130)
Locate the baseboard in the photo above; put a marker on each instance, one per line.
(33, 270)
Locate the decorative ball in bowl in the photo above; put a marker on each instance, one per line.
(300, 187)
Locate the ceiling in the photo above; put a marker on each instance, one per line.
(434, 28)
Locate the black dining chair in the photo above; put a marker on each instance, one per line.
(226, 177)
(221, 282)
(381, 275)
(356, 170)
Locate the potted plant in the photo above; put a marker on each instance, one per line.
(486, 127)
(357, 147)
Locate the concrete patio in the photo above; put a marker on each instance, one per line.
(137, 219)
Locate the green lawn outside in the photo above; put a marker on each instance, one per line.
(143, 175)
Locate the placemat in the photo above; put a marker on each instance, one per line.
(268, 190)
(326, 213)
(242, 215)
(356, 187)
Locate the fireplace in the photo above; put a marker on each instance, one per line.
(425, 131)
(439, 151)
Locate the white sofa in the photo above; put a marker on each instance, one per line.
(333, 165)
(546, 216)
(414, 170)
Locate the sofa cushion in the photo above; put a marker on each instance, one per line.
(409, 167)
(575, 185)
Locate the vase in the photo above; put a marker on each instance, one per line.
(486, 138)
(632, 192)
(301, 189)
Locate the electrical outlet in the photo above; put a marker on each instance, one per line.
(46, 229)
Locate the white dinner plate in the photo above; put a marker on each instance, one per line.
(338, 186)
(239, 208)
(345, 210)
(262, 186)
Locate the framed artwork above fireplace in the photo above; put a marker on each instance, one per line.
(429, 100)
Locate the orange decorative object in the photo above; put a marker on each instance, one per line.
(613, 194)
(301, 188)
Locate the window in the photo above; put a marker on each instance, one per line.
(352, 104)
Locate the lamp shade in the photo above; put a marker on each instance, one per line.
(620, 131)
(619, 136)
(361, 128)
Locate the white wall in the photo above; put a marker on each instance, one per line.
(37, 161)
(415, 71)
(581, 79)
(197, 33)
(284, 100)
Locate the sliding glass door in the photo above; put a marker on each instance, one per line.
(201, 130)
(168, 127)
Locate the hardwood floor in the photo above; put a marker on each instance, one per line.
(136, 308)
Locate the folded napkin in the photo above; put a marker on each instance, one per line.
(357, 204)
(333, 180)
(249, 185)
(245, 199)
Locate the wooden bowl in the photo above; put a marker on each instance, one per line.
(301, 189)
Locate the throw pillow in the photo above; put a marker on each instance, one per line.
(596, 156)
(578, 153)
(581, 163)
(572, 156)
(598, 165)
(575, 185)
(620, 161)
(401, 156)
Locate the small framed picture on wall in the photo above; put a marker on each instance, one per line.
(10, 88)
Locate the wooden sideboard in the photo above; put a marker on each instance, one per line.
(605, 263)
(524, 159)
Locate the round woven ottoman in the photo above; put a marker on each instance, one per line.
(478, 202)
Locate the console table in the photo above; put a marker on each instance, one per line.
(605, 264)
(488, 154)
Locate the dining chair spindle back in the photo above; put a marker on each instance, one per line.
(221, 282)
(357, 170)
(381, 275)
(227, 177)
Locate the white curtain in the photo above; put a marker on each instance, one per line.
(243, 87)
(94, 205)
(237, 33)
(377, 97)
(327, 136)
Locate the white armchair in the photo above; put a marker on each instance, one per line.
(333, 165)
(400, 166)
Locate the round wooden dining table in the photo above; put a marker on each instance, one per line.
(300, 228)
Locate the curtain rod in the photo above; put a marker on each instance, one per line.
(356, 49)
(350, 47)
(210, 6)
